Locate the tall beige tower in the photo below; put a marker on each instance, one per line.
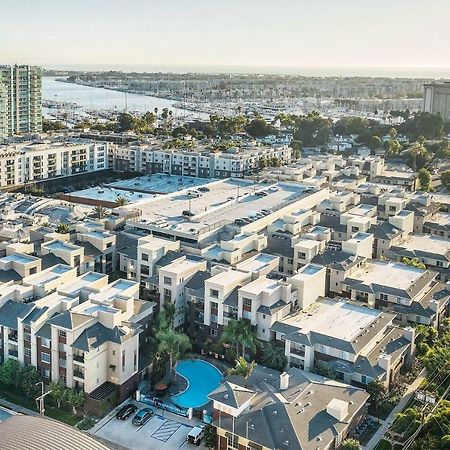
(20, 100)
(436, 99)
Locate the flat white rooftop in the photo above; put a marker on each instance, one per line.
(228, 277)
(392, 274)
(46, 276)
(256, 263)
(109, 194)
(427, 243)
(113, 290)
(259, 285)
(337, 319)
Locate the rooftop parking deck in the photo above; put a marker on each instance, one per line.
(225, 201)
(159, 183)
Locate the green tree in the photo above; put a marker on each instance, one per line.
(274, 357)
(175, 345)
(29, 376)
(374, 143)
(416, 157)
(377, 392)
(350, 444)
(392, 133)
(424, 177)
(169, 312)
(445, 179)
(296, 149)
(312, 129)
(121, 201)
(10, 372)
(59, 392)
(241, 334)
(210, 436)
(243, 368)
(63, 228)
(125, 122)
(75, 399)
(100, 211)
(413, 263)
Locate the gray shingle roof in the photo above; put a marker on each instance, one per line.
(96, 335)
(11, 311)
(69, 320)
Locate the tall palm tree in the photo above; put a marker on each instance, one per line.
(121, 201)
(274, 357)
(169, 310)
(240, 334)
(174, 344)
(100, 211)
(243, 368)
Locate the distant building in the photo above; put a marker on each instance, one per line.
(436, 99)
(29, 162)
(20, 100)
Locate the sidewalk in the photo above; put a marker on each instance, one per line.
(399, 407)
(17, 408)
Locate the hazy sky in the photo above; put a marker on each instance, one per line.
(374, 33)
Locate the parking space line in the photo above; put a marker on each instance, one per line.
(166, 430)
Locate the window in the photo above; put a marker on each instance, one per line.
(232, 442)
(214, 293)
(135, 359)
(301, 255)
(45, 342)
(45, 358)
(384, 297)
(363, 379)
(355, 229)
(28, 352)
(145, 270)
(144, 257)
(439, 263)
(168, 281)
(62, 333)
(123, 360)
(247, 304)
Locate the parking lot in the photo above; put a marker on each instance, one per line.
(163, 431)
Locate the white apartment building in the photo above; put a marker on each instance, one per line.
(30, 162)
(172, 280)
(349, 339)
(84, 335)
(201, 162)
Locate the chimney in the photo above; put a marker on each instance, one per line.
(338, 409)
(284, 381)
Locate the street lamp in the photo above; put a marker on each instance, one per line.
(40, 399)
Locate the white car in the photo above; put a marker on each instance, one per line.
(196, 435)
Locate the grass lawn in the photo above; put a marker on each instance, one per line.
(14, 395)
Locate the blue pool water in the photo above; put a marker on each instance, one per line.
(202, 378)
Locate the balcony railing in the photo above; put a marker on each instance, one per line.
(78, 374)
(78, 358)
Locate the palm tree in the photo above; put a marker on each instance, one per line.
(274, 357)
(121, 201)
(240, 334)
(62, 228)
(174, 345)
(169, 311)
(100, 211)
(243, 368)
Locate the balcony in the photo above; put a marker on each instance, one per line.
(12, 337)
(298, 352)
(13, 353)
(78, 374)
(78, 358)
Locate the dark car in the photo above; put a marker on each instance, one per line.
(203, 189)
(126, 411)
(142, 417)
(187, 213)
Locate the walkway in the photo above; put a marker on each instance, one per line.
(399, 407)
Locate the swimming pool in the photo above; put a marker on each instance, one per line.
(202, 378)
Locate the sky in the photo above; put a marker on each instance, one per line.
(275, 33)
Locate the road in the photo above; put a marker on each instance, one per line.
(399, 407)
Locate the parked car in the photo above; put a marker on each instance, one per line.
(142, 417)
(203, 189)
(188, 213)
(196, 435)
(240, 222)
(194, 194)
(126, 411)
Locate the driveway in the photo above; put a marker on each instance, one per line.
(162, 431)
